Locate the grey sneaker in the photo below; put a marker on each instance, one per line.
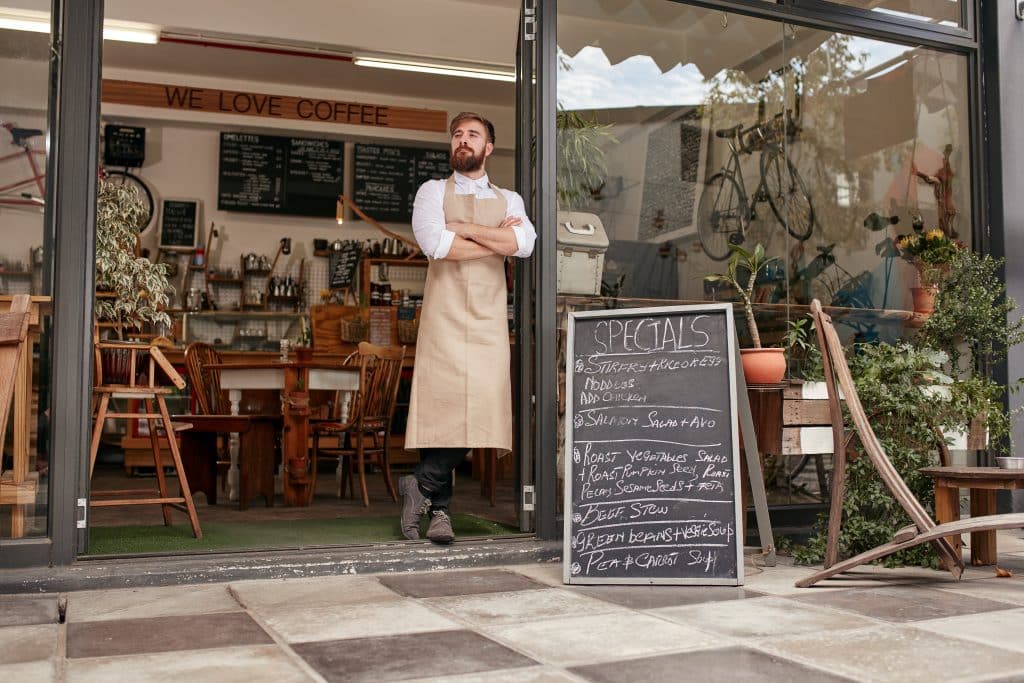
(414, 506)
(440, 529)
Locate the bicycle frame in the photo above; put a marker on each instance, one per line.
(37, 178)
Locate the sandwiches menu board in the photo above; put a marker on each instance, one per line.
(387, 178)
(270, 174)
(652, 489)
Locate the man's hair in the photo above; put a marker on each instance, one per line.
(472, 116)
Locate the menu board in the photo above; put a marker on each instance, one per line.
(344, 263)
(652, 456)
(124, 145)
(269, 174)
(179, 220)
(387, 178)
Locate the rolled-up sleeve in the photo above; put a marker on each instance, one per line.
(428, 224)
(525, 233)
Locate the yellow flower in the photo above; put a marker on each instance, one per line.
(935, 234)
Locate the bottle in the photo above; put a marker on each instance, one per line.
(200, 256)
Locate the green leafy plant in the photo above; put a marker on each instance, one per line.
(932, 253)
(132, 289)
(581, 166)
(741, 272)
(802, 351)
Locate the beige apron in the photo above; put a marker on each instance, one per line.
(461, 385)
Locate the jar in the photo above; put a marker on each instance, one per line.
(374, 294)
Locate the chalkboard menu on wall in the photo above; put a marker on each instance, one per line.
(387, 178)
(344, 263)
(268, 174)
(124, 145)
(179, 220)
(652, 478)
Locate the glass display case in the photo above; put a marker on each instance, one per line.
(242, 330)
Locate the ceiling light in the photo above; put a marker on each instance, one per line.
(487, 73)
(39, 22)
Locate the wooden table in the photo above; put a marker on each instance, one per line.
(294, 380)
(20, 489)
(983, 483)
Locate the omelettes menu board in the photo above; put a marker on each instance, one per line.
(387, 178)
(269, 174)
(652, 455)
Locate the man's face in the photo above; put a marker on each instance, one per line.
(470, 147)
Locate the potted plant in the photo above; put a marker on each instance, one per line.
(760, 365)
(930, 253)
(304, 344)
(131, 291)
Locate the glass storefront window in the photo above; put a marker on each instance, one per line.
(695, 129)
(942, 12)
(24, 93)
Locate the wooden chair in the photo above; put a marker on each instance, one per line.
(369, 418)
(13, 334)
(129, 371)
(923, 529)
(204, 447)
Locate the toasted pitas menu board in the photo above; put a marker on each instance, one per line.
(652, 491)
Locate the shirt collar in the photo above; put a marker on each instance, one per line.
(466, 182)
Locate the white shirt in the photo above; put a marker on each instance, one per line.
(429, 225)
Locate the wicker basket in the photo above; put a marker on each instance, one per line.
(407, 330)
(354, 331)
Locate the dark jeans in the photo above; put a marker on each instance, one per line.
(434, 474)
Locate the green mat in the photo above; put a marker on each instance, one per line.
(132, 540)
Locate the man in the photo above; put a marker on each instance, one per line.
(461, 388)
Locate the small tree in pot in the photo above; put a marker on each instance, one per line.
(131, 290)
(760, 365)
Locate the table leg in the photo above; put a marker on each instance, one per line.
(983, 543)
(235, 397)
(947, 509)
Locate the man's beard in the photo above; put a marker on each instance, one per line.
(466, 163)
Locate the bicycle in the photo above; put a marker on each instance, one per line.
(22, 192)
(725, 210)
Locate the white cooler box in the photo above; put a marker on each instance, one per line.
(582, 243)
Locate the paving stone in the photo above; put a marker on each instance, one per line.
(619, 635)
(904, 603)
(354, 621)
(781, 580)
(315, 592)
(19, 644)
(228, 665)
(1010, 590)
(26, 610)
(163, 634)
(141, 603)
(1001, 629)
(533, 674)
(902, 654)
(470, 582)
(549, 573)
(419, 655)
(762, 617)
(651, 597)
(29, 672)
(727, 665)
(516, 606)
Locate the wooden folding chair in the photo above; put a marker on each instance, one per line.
(15, 487)
(923, 529)
(138, 365)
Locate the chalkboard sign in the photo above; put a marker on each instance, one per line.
(653, 491)
(124, 146)
(268, 174)
(344, 263)
(387, 178)
(179, 220)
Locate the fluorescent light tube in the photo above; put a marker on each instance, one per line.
(439, 69)
(39, 22)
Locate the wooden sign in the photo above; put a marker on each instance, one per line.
(216, 101)
(652, 489)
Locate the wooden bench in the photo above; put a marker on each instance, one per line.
(807, 431)
(982, 482)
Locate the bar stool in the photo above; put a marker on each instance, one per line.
(126, 370)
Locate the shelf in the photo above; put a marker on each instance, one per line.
(275, 299)
(258, 272)
(193, 266)
(224, 280)
(397, 260)
(243, 315)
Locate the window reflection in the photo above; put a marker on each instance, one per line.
(943, 12)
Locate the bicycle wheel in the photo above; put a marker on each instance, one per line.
(127, 178)
(786, 194)
(722, 216)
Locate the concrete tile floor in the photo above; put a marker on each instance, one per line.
(519, 624)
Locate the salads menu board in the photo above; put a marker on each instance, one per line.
(652, 453)
(387, 178)
(269, 174)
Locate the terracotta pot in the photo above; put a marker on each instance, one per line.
(924, 298)
(763, 366)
